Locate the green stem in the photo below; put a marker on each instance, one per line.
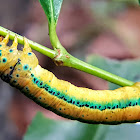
(54, 38)
(62, 57)
(80, 65)
(42, 49)
(65, 59)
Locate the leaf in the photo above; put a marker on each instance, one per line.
(52, 9)
(129, 69)
(130, 1)
(43, 128)
(119, 132)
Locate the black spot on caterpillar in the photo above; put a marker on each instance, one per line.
(21, 70)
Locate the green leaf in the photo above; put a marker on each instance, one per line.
(43, 128)
(130, 1)
(52, 9)
(129, 69)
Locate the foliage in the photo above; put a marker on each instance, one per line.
(45, 129)
(52, 9)
(127, 69)
(131, 1)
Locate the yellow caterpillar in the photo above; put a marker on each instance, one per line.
(21, 70)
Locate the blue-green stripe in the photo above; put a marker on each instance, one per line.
(81, 103)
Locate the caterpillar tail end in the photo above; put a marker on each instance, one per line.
(27, 47)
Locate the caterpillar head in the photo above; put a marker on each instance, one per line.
(9, 55)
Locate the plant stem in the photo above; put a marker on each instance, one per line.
(80, 65)
(54, 38)
(65, 59)
(42, 49)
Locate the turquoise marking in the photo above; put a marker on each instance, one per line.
(109, 105)
(0, 52)
(81, 103)
(25, 67)
(4, 60)
(0, 45)
(138, 102)
(38, 83)
(122, 104)
(29, 53)
(10, 50)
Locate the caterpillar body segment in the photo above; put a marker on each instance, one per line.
(21, 70)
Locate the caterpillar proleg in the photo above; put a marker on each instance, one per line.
(21, 70)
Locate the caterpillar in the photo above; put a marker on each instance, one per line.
(21, 70)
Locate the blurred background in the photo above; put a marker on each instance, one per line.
(104, 33)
